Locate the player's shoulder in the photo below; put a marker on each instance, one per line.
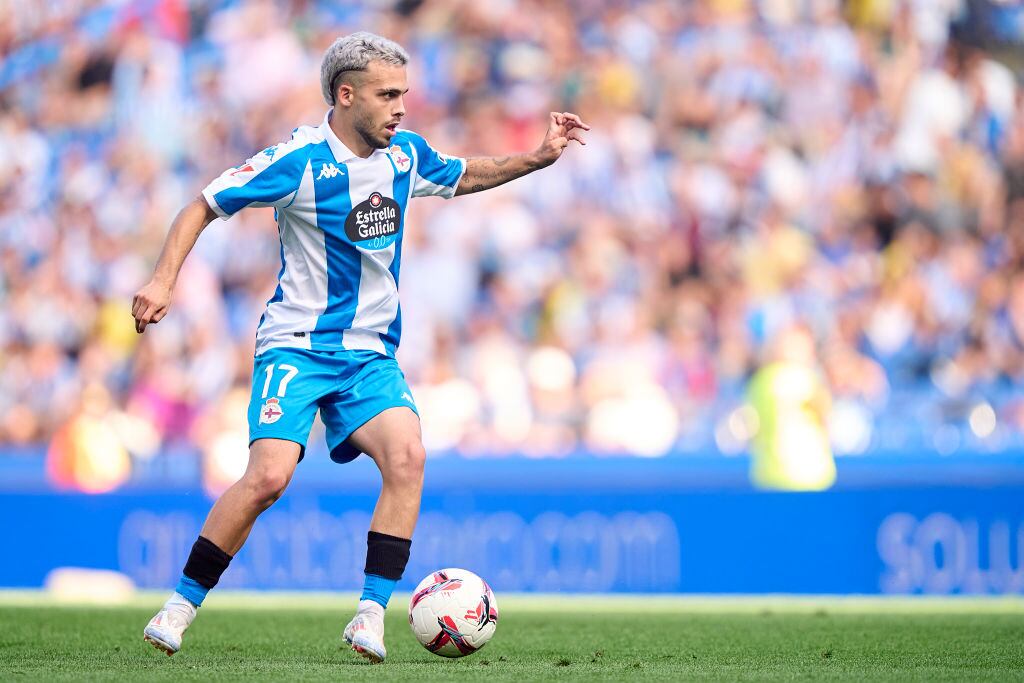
(411, 137)
(303, 140)
(406, 134)
(304, 136)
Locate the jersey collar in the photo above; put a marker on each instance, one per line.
(342, 154)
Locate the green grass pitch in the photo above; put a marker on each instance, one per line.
(267, 637)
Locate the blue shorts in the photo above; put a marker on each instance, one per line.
(348, 387)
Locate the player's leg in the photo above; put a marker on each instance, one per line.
(393, 440)
(271, 465)
(372, 412)
(287, 383)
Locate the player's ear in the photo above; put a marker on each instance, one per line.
(345, 95)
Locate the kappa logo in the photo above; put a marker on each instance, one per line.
(401, 159)
(329, 171)
(271, 411)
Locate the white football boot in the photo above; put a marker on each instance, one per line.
(164, 631)
(365, 633)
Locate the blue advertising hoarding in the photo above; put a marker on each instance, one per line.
(571, 526)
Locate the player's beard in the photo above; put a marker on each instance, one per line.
(372, 134)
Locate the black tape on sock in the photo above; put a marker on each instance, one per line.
(206, 563)
(386, 555)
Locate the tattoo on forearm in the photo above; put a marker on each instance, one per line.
(487, 172)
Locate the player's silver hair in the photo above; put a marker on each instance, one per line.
(353, 53)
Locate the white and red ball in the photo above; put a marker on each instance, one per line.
(453, 612)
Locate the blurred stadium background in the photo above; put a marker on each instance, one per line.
(765, 333)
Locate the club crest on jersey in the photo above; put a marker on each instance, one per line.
(402, 161)
(329, 171)
(271, 412)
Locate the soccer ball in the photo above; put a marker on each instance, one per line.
(453, 613)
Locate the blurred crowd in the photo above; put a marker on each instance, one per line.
(852, 169)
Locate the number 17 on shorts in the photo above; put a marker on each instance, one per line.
(284, 395)
(271, 410)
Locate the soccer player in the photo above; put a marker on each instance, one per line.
(328, 337)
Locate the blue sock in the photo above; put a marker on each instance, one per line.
(193, 591)
(378, 589)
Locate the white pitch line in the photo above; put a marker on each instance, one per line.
(578, 604)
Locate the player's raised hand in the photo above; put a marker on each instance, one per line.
(150, 304)
(563, 128)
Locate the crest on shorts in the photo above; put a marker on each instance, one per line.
(271, 411)
(401, 159)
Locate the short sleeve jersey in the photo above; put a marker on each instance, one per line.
(341, 220)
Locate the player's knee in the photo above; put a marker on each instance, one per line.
(267, 486)
(405, 464)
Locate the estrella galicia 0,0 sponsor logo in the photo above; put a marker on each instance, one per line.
(375, 222)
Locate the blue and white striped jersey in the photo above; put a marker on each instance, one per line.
(340, 219)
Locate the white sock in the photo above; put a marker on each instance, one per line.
(371, 608)
(178, 601)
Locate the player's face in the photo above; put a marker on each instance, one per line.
(378, 103)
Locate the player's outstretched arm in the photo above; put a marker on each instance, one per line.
(150, 303)
(483, 173)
